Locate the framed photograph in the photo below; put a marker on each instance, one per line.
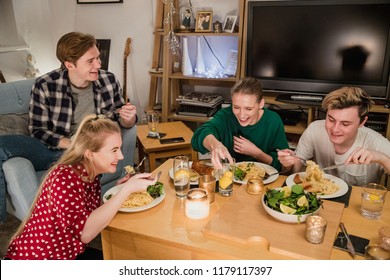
(98, 1)
(229, 24)
(204, 21)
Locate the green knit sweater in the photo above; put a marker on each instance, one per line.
(267, 134)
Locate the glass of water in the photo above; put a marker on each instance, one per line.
(181, 176)
(153, 120)
(373, 199)
(225, 177)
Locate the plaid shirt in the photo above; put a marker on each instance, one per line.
(52, 104)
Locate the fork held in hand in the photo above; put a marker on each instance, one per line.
(137, 168)
(134, 170)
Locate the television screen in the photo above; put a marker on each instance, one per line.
(314, 47)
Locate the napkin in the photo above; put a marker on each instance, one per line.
(344, 198)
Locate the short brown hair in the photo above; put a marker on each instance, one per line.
(250, 86)
(346, 97)
(73, 45)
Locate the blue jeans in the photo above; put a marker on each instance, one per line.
(27, 147)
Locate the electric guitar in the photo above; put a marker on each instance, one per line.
(125, 55)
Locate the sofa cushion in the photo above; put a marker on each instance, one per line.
(15, 96)
(14, 124)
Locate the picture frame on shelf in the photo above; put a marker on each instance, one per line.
(229, 24)
(98, 1)
(204, 21)
(187, 20)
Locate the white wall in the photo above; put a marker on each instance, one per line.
(42, 22)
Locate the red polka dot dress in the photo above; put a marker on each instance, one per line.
(58, 218)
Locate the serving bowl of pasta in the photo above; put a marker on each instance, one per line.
(290, 204)
(136, 202)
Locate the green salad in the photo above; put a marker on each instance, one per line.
(155, 190)
(292, 200)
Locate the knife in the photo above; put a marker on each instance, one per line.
(333, 166)
(350, 247)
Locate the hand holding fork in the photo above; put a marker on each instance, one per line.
(288, 158)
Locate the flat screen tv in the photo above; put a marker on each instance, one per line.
(314, 47)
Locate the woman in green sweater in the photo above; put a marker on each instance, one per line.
(245, 130)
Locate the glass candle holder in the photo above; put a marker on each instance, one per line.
(376, 252)
(384, 237)
(315, 229)
(208, 183)
(197, 205)
(255, 185)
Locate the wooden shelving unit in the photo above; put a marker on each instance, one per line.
(172, 82)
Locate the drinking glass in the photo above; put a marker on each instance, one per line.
(181, 175)
(153, 120)
(225, 177)
(373, 199)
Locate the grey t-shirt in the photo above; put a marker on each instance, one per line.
(84, 105)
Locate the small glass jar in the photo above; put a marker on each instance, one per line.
(384, 237)
(197, 205)
(315, 229)
(376, 252)
(255, 185)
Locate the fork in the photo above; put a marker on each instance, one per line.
(135, 169)
(303, 161)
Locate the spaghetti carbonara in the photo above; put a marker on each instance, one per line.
(314, 180)
(252, 170)
(137, 199)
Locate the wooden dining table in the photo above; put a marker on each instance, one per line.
(237, 227)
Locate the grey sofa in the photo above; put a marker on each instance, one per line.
(21, 178)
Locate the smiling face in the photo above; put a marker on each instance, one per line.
(86, 68)
(342, 126)
(106, 159)
(246, 108)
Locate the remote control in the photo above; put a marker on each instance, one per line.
(306, 97)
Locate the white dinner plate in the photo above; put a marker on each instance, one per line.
(115, 189)
(343, 187)
(268, 168)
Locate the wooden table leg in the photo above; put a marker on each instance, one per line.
(152, 161)
(141, 154)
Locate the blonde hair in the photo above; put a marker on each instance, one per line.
(73, 45)
(90, 135)
(250, 86)
(347, 97)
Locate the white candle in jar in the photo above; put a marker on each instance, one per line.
(197, 204)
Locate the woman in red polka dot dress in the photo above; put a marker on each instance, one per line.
(67, 214)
